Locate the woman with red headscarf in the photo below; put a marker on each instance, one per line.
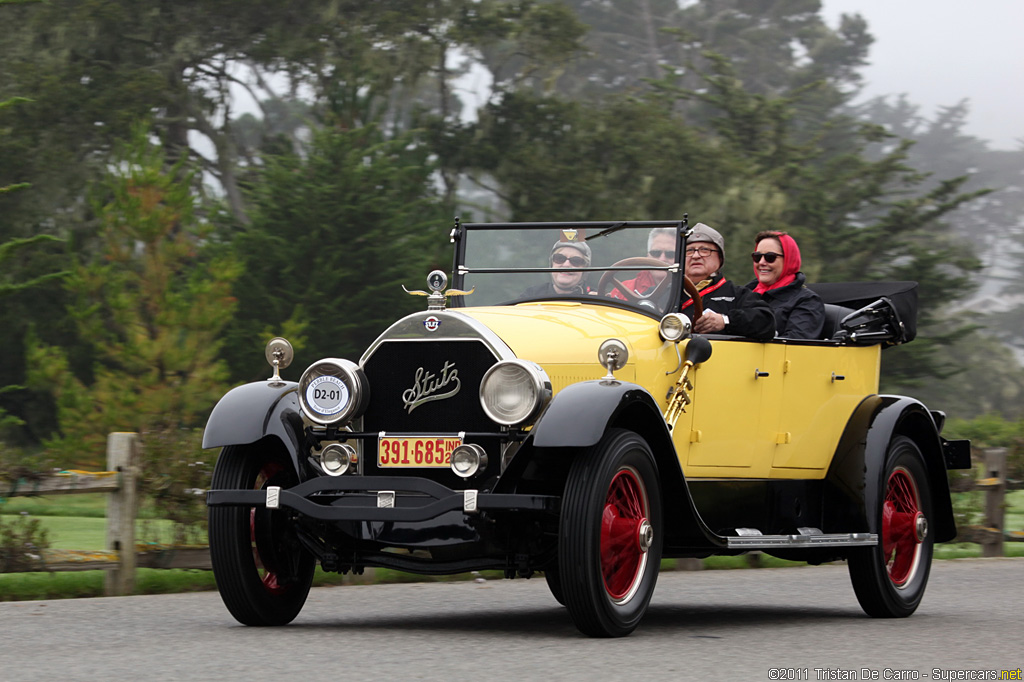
(799, 312)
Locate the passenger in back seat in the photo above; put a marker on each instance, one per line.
(799, 312)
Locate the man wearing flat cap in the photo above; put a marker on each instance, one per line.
(728, 309)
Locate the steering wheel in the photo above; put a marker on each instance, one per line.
(608, 278)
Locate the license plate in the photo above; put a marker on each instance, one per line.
(416, 451)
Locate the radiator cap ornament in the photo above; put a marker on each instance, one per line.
(436, 282)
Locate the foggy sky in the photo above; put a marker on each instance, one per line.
(939, 52)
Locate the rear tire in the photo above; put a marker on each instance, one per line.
(889, 579)
(262, 571)
(609, 543)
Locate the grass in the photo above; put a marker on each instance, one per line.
(78, 522)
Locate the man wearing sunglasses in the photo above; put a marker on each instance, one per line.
(799, 312)
(728, 309)
(564, 254)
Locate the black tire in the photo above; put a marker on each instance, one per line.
(262, 571)
(608, 576)
(889, 579)
(554, 580)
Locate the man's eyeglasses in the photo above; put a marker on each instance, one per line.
(659, 253)
(702, 251)
(575, 261)
(768, 257)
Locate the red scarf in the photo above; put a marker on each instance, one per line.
(790, 264)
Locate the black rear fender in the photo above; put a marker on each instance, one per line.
(854, 479)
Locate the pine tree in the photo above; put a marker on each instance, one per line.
(151, 305)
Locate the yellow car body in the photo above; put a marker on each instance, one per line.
(777, 418)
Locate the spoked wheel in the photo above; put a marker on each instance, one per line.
(889, 578)
(262, 571)
(609, 544)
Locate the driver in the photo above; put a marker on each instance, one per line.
(564, 254)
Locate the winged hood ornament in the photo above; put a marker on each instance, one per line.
(437, 281)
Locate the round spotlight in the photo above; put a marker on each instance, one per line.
(514, 391)
(468, 460)
(336, 458)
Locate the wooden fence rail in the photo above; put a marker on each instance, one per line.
(120, 481)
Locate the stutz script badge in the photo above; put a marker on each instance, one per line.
(428, 386)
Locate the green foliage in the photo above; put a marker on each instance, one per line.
(335, 234)
(176, 475)
(988, 431)
(994, 431)
(21, 543)
(629, 157)
(151, 306)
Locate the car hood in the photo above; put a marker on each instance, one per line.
(561, 337)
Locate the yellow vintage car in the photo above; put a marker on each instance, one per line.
(540, 416)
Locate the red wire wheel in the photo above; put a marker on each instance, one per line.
(889, 578)
(609, 537)
(903, 525)
(625, 533)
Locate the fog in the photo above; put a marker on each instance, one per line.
(940, 52)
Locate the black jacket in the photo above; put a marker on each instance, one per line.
(748, 314)
(799, 312)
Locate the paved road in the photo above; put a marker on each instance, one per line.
(706, 625)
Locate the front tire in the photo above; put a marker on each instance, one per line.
(262, 571)
(610, 539)
(889, 579)
(554, 580)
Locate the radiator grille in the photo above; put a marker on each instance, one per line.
(402, 373)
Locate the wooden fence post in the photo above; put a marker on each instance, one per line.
(122, 457)
(994, 485)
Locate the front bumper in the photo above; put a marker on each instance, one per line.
(379, 498)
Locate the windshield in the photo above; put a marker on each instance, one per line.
(522, 262)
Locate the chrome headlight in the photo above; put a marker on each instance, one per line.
(333, 391)
(674, 327)
(514, 391)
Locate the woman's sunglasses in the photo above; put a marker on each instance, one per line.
(768, 257)
(575, 261)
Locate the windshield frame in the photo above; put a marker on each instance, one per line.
(595, 230)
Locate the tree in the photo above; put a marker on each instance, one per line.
(17, 279)
(150, 306)
(628, 157)
(774, 45)
(336, 231)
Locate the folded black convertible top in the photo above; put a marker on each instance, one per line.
(902, 296)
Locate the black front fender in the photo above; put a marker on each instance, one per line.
(253, 411)
(576, 420)
(578, 415)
